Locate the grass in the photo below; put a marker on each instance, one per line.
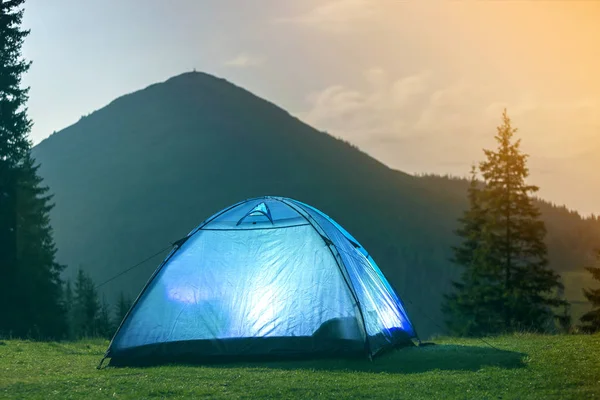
(524, 367)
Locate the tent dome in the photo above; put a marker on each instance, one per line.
(267, 276)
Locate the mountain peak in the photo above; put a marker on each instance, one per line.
(194, 75)
(195, 92)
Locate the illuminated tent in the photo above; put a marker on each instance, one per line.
(268, 276)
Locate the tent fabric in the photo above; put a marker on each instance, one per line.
(266, 276)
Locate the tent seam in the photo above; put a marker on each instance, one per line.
(350, 286)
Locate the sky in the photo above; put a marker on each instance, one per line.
(419, 85)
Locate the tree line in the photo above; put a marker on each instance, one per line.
(505, 283)
(89, 315)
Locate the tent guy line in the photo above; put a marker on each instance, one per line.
(135, 266)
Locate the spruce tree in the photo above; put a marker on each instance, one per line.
(14, 123)
(69, 307)
(469, 310)
(104, 324)
(30, 287)
(38, 274)
(506, 284)
(591, 319)
(515, 234)
(86, 306)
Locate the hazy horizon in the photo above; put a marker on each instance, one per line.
(418, 86)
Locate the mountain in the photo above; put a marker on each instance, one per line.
(146, 169)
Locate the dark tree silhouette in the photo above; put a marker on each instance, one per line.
(69, 307)
(591, 319)
(470, 309)
(104, 323)
(30, 286)
(86, 307)
(506, 283)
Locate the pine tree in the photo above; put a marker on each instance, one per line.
(38, 275)
(30, 286)
(69, 307)
(86, 306)
(506, 284)
(515, 236)
(104, 325)
(469, 310)
(14, 123)
(591, 319)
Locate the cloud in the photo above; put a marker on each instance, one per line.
(383, 109)
(336, 16)
(457, 111)
(418, 122)
(244, 60)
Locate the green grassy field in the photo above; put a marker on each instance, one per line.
(524, 367)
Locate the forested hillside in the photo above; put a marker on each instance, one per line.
(143, 171)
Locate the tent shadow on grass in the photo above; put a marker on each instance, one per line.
(406, 361)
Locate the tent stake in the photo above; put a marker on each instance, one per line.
(101, 361)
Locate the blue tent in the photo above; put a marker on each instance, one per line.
(269, 276)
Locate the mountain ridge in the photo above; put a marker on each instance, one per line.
(148, 167)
